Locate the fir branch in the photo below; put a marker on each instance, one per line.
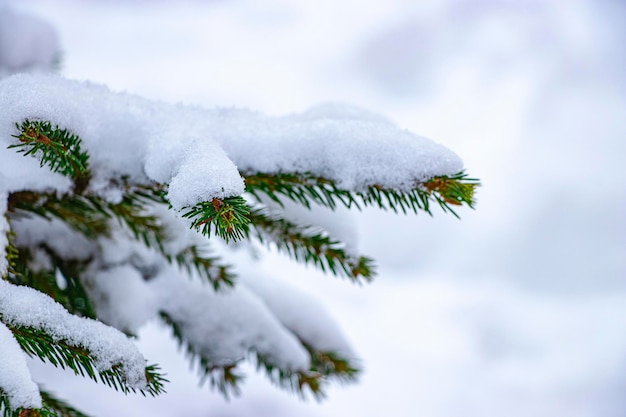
(453, 190)
(227, 218)
(224, 378)
(310, 245)
(304, 188)
(331, 365)
(52, 407)
(207, 267)
(71, 295)
(325, 367)
(299, 382)
(90, 215)
(87, 215)
(59, 353)
(59, 149)
(58, 407)
(133, 213)
(11, 255)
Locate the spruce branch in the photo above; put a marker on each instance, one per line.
(299, 382)
(58, 407)
(132, 212)
(85, 214)
(310, 245)
(207, 267)
(304, 188)
(37, 343)
(58, 148)
(325, 367)
(224, 378)
(71, 294)
(331, 365)
(11, 255)
(227, 217)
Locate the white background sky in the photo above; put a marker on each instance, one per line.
(520, 308)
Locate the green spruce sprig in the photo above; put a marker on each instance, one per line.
(298, 382)
(59, 148)
(207, 267)
(304, 188)
(59, 407)
(225, 378)
(310, 245)
(37, 343)
(226, 217)
(87, 215)
(332, 365)
(71, 293)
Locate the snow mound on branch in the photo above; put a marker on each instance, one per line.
(301, 314)
(351, 146)
(197, 151)
(224, 326)
(15, 380)
(125, 136)
(26, 307)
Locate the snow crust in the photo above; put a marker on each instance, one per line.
(187, 147)
(15, 379)
(156, 146)
(301, 314)
(24, 306)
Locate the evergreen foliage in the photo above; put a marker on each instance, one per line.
(233, 218)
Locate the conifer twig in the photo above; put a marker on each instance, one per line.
(304, 188)
(207, 267)
(227, 217)
(310, 245)
(37, 343)
(59, 148)
(224, 378)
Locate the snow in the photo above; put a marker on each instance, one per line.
(184, 147)
(300, 313)
(223, 327)
(26, 307)
(15, 379)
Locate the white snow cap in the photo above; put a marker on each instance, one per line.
(24, 306)
(197, 151)
(15, 380)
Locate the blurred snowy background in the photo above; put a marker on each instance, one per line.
(519, 309)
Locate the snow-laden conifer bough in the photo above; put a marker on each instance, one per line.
(116, 210)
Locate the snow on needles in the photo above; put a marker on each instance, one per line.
(15, 378)
(200, 152)
(25, 307)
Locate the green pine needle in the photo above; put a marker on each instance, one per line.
(207, 267)
(225, 378)
(87, 215)
(310, 245)
(37, 343)
(71, 294)
(58, 148)
(304, 188)
(227, 218)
